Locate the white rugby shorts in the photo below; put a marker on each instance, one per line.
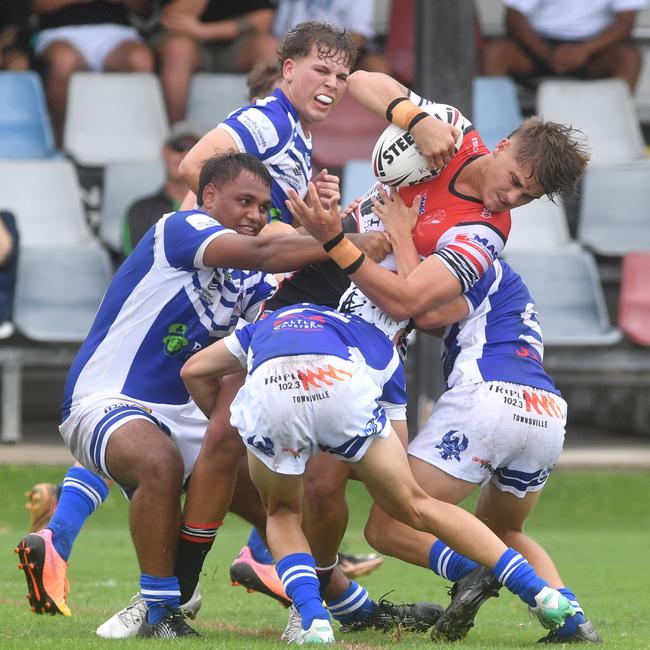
(291, 408)
(495, 431)
(90, 424)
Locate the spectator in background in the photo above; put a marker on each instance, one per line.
(355, 16)
(14, 35)
(583, 38)
(8, 261)
(86, 35)
(263, 79)
(214, 36)
(142, 214)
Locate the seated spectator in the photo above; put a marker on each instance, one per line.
(263, 79)
(8, 262)
(86, 35)
(583, 38)
(213, 36)
(354, 16)
(142, 214)
(14, 35)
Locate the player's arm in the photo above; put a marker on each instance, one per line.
(214, 142)
(386, 97)
(428, 286)
(202, 372)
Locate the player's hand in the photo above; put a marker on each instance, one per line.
(397, 217)
(351, 207)
(328, 186)
(321, 223)
(375, 244)
(436, 140)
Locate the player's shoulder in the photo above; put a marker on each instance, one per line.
(272, 113)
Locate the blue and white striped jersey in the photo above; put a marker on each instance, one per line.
(162, 306)
(313, 329)
(500, 339)
(270, 131)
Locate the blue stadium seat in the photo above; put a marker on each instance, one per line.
(495, 108)
(614, 214)
(25, 129)
(357, 179)
(568, 296)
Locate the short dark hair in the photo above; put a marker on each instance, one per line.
(263, 78)
(226, 168)
(557, 154)
(330, 41)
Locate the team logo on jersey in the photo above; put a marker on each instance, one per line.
(452, 445)
(263, 443)
(322, 376)
(294, 452)
(486, 214)
(175, 341)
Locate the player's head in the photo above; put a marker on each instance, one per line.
(263, 79)
(235, 188)
(182, 137)
(538, 158)
(316, 59)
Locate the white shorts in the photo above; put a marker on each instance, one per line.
(507, 433)
(90, 424)
(291, 408)
(93, 42)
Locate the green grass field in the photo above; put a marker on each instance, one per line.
(595, 524)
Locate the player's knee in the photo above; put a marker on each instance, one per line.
(376, 535)
(323, 489)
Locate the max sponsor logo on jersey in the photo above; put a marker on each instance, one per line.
(452, 445)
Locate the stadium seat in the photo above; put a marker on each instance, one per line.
(125, 182)
(400, 42)
(539, 226)
(45, 199)
(357, 179)
(114, 116)
(25, 129)
(568, 297)
(349, 133)
(604, 110)
(642, 92)
(495, 108)
(212, 97)
(634, 299)
(58, 291)
(614, 211)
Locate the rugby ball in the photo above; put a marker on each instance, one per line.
(396, 159)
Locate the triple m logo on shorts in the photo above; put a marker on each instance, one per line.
(308, 378)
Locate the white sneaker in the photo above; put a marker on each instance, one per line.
(128, 621)
(552, 608)
(294, 626)
(320, 632)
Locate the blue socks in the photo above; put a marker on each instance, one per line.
(352, 605)
(259, 550)
(514, 572)
(298, 574)
(570, 625)
(445, 562)
(161, 596)
(82, 493)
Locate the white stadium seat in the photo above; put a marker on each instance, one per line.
(540, 225)
(114, 116)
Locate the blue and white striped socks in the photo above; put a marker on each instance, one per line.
(445, 562)
(514, 572)
(161, 595)
(352, 605)
(82, 493)
(298, 574)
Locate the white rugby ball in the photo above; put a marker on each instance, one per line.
(396, 159)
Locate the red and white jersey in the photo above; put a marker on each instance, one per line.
(459, 229)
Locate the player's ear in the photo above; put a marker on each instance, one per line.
(287, 69)
(210, 193)
(502, 145)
